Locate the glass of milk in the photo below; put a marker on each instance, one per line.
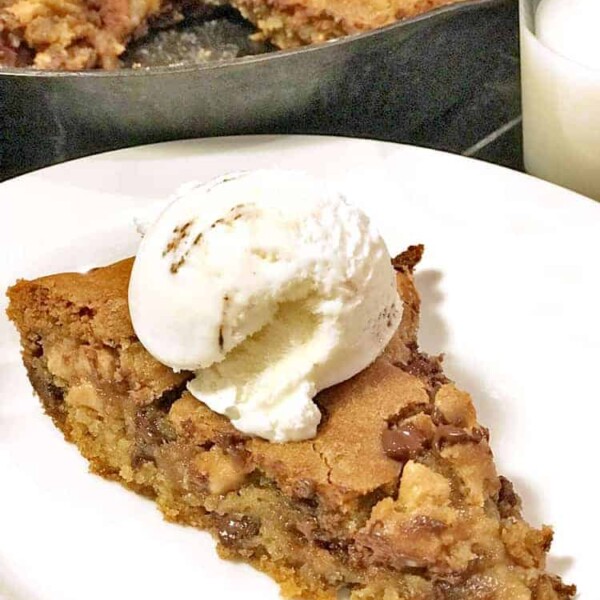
(560, 79)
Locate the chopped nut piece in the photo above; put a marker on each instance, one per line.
(85, 395)
(455, 406)
(224, 473)
(403, 442)
(421, 487)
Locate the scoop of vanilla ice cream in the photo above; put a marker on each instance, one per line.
(270, 288)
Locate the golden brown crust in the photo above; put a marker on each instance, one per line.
(396, 497)
(291, 23)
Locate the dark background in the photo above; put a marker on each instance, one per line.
(449, 82)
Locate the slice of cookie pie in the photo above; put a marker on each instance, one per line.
(397, 496)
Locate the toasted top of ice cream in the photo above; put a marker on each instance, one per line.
(270, 287)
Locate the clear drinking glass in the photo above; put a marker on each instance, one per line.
(561, 112)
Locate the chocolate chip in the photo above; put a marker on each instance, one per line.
(37, 348)
(334, 546)
(407, 260)
(450, 435)
(51, 395)
(404, 442)
(86, 312)
(304, 489)
(169, 396)
(152, 428)
(424, 523)
(141, 454)
(509, 503)
(424, 366)
(233, 529)
(148, 437)
(56, 393)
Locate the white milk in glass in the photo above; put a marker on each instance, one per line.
(560, 78)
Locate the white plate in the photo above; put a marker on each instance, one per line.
(510, 294)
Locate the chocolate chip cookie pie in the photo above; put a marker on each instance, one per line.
(85, 34)
(396, 498)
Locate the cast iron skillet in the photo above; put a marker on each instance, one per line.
(385, 84)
